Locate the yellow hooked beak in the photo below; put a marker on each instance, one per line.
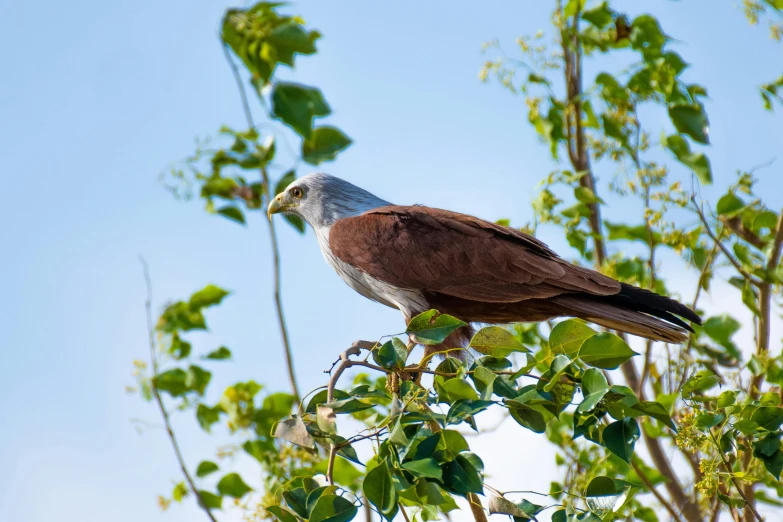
(277, 205)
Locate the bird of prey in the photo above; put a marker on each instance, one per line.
(416, 258)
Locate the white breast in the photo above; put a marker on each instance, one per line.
(409, 302)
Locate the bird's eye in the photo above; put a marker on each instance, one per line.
(297, 192)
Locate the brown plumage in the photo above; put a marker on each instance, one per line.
(484, 272)
(415, 258)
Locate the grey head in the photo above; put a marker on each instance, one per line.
(321, 199)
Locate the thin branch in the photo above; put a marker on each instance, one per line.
(729, 256)
(289, 358)
(159, 399)
(727, 467)
(650, 486)
(404, 514)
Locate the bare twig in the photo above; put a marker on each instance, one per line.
(159, 400)
(289, 358)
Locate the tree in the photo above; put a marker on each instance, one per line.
(688, 436)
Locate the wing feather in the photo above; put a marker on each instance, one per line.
(436, 250)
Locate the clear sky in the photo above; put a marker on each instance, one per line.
(97, 98)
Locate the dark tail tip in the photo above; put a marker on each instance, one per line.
(656, 305)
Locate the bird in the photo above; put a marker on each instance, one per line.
(417, 258)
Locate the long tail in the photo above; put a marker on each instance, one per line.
(636, 311)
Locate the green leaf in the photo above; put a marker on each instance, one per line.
(449, 443)
(210, 295)
(463, 475)
(297, 501)
(620, 437)
(207, 416)
(181, 316)
(220, 354)
(730, 205)
(205, 467)
(484, 380)
(172, 382)
(655, 410)
(296, 106)
(317, 493)
(567, 336)
(379, 489)
(774, 463)
(699, 382)
(350, 405)
(233, 213)
(600, 16)
(179, 348)
(332, 508)
(324, 144)
(282, 514)
(604, 486)
(232, 485)
(528, 417)
(465, 409)
(647, 36)
(432, 327)
(706, 420)
(768, 417)
(594, 387)
(179, 492)
(632, 233)
(391, 355)
(424, 468)
(496, 342)
(605, 350)
(457, 389)
(321, 396)
(197, 379)
(697, 162)
(691, 120)
(209, 500)
(727, 398)
(558, 367)
(603, 494)
(586, 195)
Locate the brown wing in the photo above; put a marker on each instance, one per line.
(459, 255)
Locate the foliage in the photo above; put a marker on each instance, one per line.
(711, 409)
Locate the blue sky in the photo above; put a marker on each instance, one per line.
(98, 98)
